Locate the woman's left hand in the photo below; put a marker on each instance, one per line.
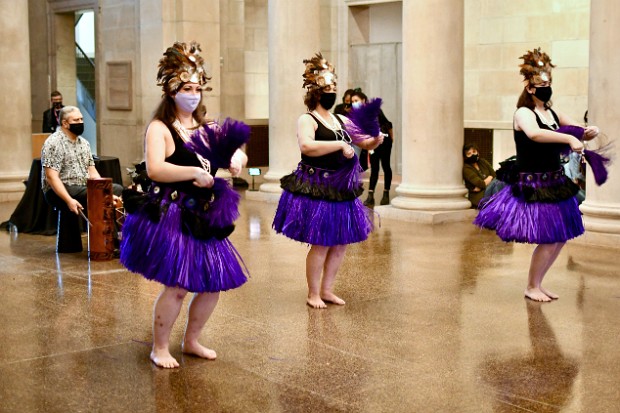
(591, 132)
(378, 140)
(235, 166)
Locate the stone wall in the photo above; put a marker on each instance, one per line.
(498, 32)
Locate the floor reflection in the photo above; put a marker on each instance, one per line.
(540, 381)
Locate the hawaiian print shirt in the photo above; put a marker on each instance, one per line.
(70, 159)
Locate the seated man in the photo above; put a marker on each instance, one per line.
(67, 163)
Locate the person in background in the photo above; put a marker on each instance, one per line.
(478, 174)
(344, 107)
(51, 117)
(379, 156)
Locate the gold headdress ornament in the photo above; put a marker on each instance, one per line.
(181, 64)
(536, 67)
(319, 73)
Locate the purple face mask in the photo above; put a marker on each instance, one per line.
(187, 102)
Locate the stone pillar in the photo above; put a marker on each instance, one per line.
(601, 210)
(293, 37)
(432, 188)
(15, 127)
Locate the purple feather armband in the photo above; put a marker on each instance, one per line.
(218, 143)
(365, 121)
(598, 159)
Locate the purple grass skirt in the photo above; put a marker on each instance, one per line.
(163, 251)
(320, 206)
(538, 209)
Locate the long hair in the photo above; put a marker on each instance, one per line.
(527, 100)
(311, 100)
(166, 112)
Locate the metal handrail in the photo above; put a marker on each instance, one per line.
(83, 54)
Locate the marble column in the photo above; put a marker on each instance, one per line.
(293, 36)
(601, 210)
(432, 188)
(15, 127)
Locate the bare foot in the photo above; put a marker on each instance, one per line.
(549, 294)
(197, 349)
(315, 301)
(330, 297)
(163, 358)
(535, 294)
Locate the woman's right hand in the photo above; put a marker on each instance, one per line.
(576, 145)
(203, 179)
(347, 150)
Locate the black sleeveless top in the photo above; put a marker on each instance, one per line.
(535, 156)
(184, 157)
(328, 161)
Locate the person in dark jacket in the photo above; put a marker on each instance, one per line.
(51, 116)
(478, 173)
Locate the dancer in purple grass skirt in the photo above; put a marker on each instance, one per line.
(176, 232)
(319, 204)
(539, 204)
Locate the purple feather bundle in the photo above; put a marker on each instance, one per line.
(218, 143)
(597, 159)
(365, 120)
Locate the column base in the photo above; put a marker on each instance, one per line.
(426, 216)
(12, 188)
(602, 223)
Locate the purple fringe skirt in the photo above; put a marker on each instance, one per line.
(514, 216)
(320, 206)
(162, 251)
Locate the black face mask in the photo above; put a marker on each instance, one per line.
(57, 105)
(543, 93)
(76, 128)
(327, 100)
(472, 159)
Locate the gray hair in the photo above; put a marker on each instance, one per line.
(65, 111)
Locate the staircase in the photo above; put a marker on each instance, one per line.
(85, 68)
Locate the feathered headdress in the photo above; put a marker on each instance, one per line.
(181, 64)
(536, 67)
(319, 73)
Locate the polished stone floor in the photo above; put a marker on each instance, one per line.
(435, 321)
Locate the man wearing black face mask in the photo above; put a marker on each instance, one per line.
(67, 163)
(50, 116)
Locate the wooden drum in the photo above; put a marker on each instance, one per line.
(101, 215)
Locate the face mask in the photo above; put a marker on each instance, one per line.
(57, 105)
(76, 128)
(187, 102)
(347, 105)
(543, 93)
(356, 105)
(472, 159)
(327, 100)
